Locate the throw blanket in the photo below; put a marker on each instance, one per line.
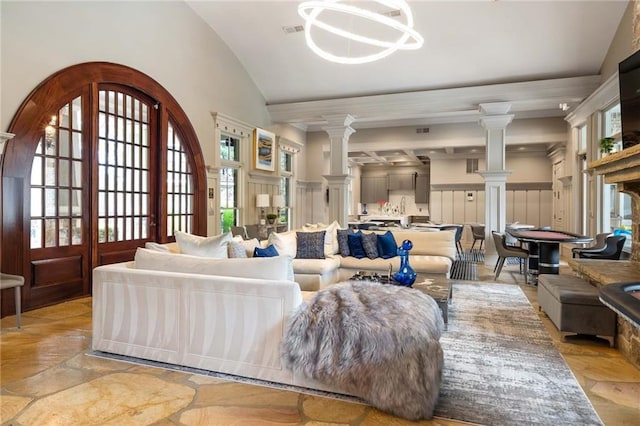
(378, 342)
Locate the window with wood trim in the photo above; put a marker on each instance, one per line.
(110, 159)
(56, 181)
(180, 190)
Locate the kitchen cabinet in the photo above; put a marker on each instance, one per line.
(422, 189)
(400, 181)
(373, 189)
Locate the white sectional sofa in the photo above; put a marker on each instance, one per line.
(218, 323)
(433, 254)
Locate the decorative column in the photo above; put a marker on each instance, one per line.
(339, 130)
(494, 121)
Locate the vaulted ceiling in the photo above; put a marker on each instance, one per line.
(535, 55)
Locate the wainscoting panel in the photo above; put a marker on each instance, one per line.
(531, 206)
(311, 207)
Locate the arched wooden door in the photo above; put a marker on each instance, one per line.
(103, 161)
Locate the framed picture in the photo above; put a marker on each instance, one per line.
(264, 144)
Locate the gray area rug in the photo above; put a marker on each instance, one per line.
(501, 366)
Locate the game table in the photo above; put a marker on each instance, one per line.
(544, 247)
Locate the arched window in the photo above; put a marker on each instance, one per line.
(103, 161)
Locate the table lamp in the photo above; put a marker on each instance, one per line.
(262, 202)
(278, 203)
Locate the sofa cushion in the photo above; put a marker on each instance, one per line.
(272, 268)
(310, 245)
(370, 244)
(355, 245)
(430, 264)
(420, 263)
(441, 243)
(269, 251)
(315, 266)
(285, 242)
(195, 245)
(387, 245)
(343, 241)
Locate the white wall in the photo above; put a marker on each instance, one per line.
(165, 40)
(621, 45)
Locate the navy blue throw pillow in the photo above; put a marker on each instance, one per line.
(355, 245)
(270, 251)
(387, 246)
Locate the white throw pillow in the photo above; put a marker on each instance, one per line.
(168, 247)
(251, 244)
(195, 245)
(284, 242)
(278, 268)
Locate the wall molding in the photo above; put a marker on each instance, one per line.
(522, 186)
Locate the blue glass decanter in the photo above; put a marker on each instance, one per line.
(406, 276)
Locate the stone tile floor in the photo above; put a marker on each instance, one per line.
(44, 371)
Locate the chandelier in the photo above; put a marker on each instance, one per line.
(408, 38)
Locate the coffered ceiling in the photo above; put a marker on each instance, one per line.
(535, 55)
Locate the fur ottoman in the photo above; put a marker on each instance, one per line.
(378, 342)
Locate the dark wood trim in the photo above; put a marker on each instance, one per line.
(28, 124)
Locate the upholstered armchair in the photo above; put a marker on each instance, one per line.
(597, 246)
(505, 251)
(611, 251)
(478, 235)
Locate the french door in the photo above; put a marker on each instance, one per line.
(106, 168)
(123, 174)
(88, 210)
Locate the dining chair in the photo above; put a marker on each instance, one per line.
(458, 236)
(478, 235)
(599, 244)
(15, 282)
(505, 251)
(239, 230)
(252, 232)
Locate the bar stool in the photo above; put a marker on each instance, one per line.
(15, 282)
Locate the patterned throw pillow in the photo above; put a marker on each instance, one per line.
(310, 245)
(370, 245)
(343, 241)
(236, 250)
(387, 246)
(355, 245)
(270, 251)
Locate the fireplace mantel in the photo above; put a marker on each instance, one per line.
(620, 167)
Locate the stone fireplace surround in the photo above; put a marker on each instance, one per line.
(623, 169)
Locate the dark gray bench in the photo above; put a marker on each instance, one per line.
(574, 307)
